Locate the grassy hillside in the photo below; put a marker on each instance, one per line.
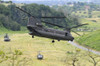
(81, 13)
(94, 14)
(3, 30)
(94, 23)
(57, 54)
(91, 40)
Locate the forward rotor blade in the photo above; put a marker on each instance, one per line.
(24, 11)
(52, 17)
(75, 32)
(39, 17)
(78, 26)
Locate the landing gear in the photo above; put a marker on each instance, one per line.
(58, 40)
(32, 36)
(53, 41)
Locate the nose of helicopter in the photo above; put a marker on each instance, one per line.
(72, 38)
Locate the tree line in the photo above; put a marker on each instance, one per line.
(79, 7)
(6, 20)
(12, 18)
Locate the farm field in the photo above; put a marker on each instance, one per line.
(94, 14)
(94, 23)
(57, 54)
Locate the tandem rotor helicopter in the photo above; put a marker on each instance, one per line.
(37, 29)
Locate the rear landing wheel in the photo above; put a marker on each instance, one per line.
(58, 40)
(53, 41)
(32, 36)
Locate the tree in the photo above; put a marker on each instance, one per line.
(73, 57)
(94, 59)
(8, 23)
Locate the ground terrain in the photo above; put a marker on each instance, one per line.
(57, 54)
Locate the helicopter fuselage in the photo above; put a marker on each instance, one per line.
(37, 29)
(50, 33)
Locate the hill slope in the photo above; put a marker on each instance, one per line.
(91, 40)
(57, 54)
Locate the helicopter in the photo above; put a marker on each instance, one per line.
(36, 28)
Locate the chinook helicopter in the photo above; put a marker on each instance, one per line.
(36, 28)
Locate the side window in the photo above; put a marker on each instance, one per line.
(66, 34)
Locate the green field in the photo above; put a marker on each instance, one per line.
(91, 40)
(57, 54)
(22, 50)
(81, 13)
(94, 14)
(94, 23)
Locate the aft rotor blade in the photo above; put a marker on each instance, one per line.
(79, 26)
(53, 17)
(76, 33)
(53, 24)
(24, 11)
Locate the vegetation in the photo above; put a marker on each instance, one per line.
(13, 58)
(87, 13)
(94, 24)
(94, 59)
(23, 52)
(12, 18)
(6, 21)
(84, 12)
(90, 40)
(57, 54)
(81, 9)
